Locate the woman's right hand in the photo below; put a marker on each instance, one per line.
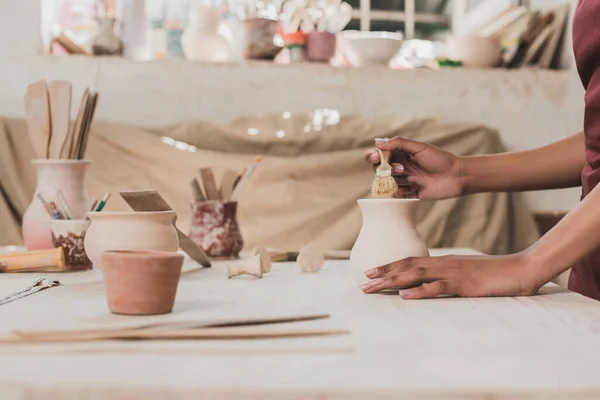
(432, 172)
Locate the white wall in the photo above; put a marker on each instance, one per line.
(529, 108)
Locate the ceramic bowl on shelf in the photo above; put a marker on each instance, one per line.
(474, 51)
(369, 48)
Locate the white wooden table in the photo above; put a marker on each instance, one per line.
(540, 347)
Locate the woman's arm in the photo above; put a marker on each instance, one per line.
(520, 274)
(557, 165)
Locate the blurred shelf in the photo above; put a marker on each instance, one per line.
(382, 15)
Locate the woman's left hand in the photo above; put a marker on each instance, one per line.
(464, 276)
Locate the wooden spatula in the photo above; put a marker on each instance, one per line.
(60, 110)
(151, 200)
(37, 112)
(74, 137)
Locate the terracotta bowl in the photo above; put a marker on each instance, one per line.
(141, 282)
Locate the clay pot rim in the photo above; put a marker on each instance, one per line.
(392, 200)
(59, 162)
(128, 214)
(143, 254)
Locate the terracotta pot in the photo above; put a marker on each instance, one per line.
(68, 176)
(130, 231)
(141, 282)
(388, 234)
(215, 228)
(320, 46)
(70, 235)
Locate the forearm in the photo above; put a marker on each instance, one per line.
(557, 165)
(575, 236)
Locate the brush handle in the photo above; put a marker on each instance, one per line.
(28, 261)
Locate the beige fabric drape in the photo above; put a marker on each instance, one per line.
(305, 190)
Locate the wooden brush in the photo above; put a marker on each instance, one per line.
(384, 184)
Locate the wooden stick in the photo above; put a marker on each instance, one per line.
(196, 190)
(227, 184)
(74, 137)
(210, 185)
(185, 334)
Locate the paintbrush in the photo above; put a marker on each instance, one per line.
(384, 184)
(240, 185)
(103, 202)
(64, 205)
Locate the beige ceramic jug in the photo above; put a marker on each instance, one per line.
(388, 234)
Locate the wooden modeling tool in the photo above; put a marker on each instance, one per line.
(228, 183)
(292, 256)
(71, 149)
(87, 123)
(151, 200)
(59, 93)
(37, 111)
(196, 190)
(384, 184)
(241, 332)
(210, 185)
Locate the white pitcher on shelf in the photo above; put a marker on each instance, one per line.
(203, 40)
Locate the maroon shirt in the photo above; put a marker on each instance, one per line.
(585, 276)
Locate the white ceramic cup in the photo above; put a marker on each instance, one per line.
(130, 231)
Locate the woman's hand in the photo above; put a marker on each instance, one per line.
(431, 172)
(464, 276)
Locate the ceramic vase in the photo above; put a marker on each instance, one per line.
(68, 176)
(141, 282)
(215, 229)
(201, 40)
(388, 234)
(150, 231)
(70, 235)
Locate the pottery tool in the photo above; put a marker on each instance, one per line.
(242, 332)
(47, 206)
(310, 258)
(38, 285)
(59, 93)
(87, 123)
(196, 190)
(238, 188)
(33, 261)
(251, 266)
(210, 185)
(151, 200)
(103, 202)
(37, 111)
(227, 184)
(54, 211)
(73, 139)
(292, 256)
(64, 205)
(384, 184)
(93, 205)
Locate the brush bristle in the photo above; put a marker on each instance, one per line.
(384, 186)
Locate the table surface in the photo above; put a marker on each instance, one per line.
(544, 346)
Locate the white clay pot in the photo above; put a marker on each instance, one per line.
(152, 231)
(388, 234)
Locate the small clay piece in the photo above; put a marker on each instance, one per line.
(310, 258)
(265, 259)
(247, 266)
